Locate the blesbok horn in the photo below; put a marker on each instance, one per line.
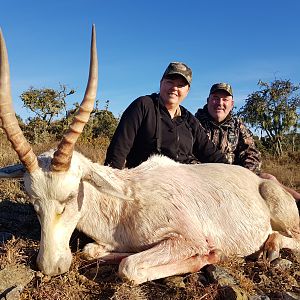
(62, 157)
(8, 117)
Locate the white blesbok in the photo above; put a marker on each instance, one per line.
(159, 219)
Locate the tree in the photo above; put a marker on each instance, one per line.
(102, 122)
(274, 110)
(46, 103)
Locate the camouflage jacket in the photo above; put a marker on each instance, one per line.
(233, 139)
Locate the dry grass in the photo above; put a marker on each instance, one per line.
(90, 280)
(87, 280)
(285, 169)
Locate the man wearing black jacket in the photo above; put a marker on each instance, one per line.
(157, 123)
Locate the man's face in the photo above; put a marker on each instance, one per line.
(219, 105)
(173, 90)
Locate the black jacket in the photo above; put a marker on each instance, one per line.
(146, 128)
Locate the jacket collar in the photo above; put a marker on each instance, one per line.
(181, 111)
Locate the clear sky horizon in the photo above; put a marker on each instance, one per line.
(230, 41)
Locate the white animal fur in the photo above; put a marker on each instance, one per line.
(172, 218)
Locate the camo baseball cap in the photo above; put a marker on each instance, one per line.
(180, 69)
(221, 86)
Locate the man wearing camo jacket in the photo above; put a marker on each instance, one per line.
(227, 132)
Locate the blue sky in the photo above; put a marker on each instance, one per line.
(238, 42)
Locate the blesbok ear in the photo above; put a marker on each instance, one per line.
(12, 171)
(107, 184)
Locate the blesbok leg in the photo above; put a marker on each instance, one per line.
(170, 257)
(276, 241)
(96, 251)
(283, 209)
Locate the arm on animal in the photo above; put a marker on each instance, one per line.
(161, 218)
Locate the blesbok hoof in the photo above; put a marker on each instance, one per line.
(271, 255)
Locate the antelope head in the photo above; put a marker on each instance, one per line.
(53, 179)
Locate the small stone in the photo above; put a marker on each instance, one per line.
(14, 294)
(282, 263)
(232, 293)
(16, 275)
(176, 281)
(258, 297)
(218, 274)
(295, 296)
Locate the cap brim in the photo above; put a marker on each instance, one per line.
(220, 89)
(177, 73)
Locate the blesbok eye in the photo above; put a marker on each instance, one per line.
(60, 209)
